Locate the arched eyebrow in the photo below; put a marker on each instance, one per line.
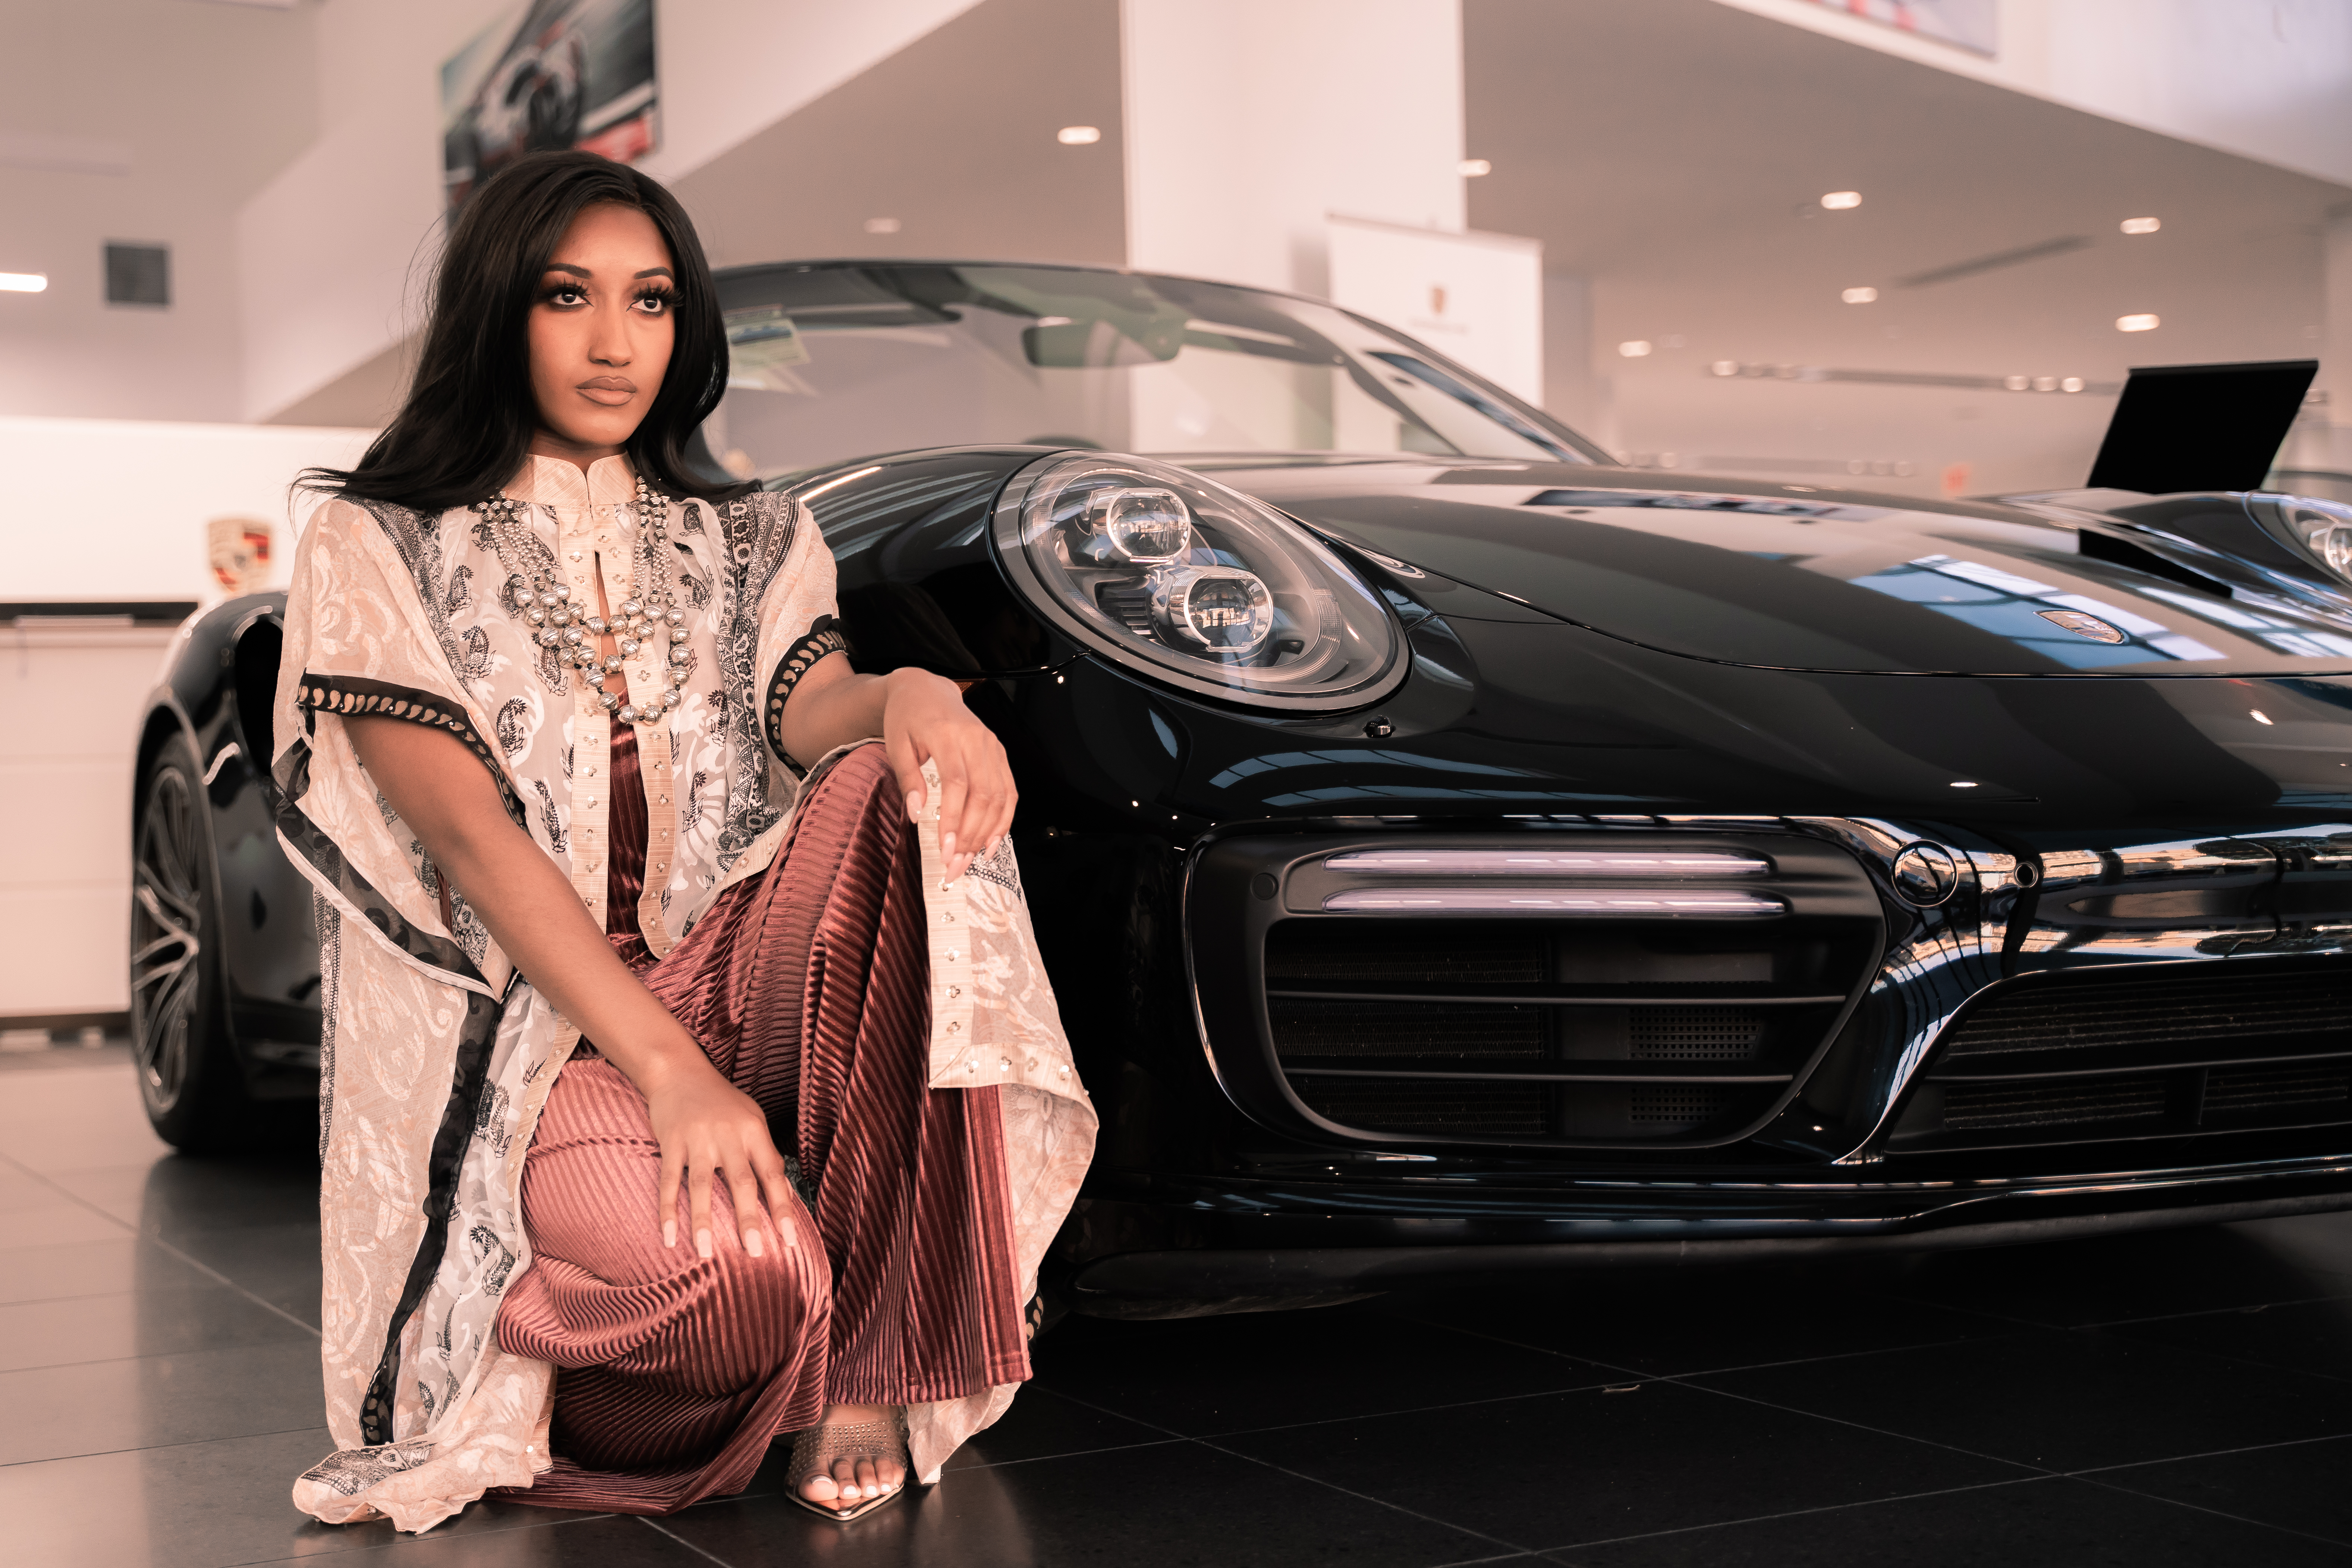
(584, 272)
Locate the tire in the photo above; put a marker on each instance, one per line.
(189, 1083)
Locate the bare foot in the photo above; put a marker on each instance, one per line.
(853, 1478)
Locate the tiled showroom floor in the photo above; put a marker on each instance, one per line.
(2182, 1398)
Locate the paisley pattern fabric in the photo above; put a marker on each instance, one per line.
(439, 1057)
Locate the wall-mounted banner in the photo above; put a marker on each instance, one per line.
(1972, 24)
(1475, 298)
(549, 73)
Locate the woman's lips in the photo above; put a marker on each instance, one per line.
(611, 390)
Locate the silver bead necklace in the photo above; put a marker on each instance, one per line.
(651, 612)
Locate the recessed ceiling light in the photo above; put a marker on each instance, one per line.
(881, 226)
(2018, 383)
(2072, 384)
(2142, 323)
(1861, 296)
(1634, 348)
(1838, 201)
(2142, 224)
(23, 282)
(2045, 383)
(1471, 168)
(1077, 135)
(1724, 367)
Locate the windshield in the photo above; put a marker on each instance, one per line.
(836, 361)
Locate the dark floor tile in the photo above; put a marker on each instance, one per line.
(1200, 1376)
(2309, 1336)
(2298, 1485)
(1593, 1465)
(2060, 1400)
(151, 1323)
(587, 1541)
(1666, 1323)
(97, 1407)
(2117, 1279)
(195, 1505)
(2052, 1521)
(97, 1268)
(278, 1263)
(1133, 1507)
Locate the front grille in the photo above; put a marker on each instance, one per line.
(1612, 1035)
(1590, 988)
(2084, 1059)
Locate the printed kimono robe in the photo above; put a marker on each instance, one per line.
(437, 1056)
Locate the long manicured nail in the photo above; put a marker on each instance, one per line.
(914, 807)
(947, 844)
(702, 1242)
(669, 1233)
(754, 1244)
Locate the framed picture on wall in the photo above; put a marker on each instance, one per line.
(549, 73)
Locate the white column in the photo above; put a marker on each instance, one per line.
(2335, 345)
(1251, 121)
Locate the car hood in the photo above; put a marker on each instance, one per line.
(1789, 577)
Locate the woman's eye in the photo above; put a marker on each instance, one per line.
(567, 297)
(653, 304)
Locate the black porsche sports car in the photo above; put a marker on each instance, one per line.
(1455, 853)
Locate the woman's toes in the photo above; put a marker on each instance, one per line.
(867, 1478)
(820, 1487)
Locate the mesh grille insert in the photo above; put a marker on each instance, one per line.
(1326, 1029)
(2277, 1088)
(2147, 1011)
(1492, 1109)
(1693, 1033)
(1687, 1104)
(2057, 1103)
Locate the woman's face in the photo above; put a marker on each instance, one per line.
(601, 331)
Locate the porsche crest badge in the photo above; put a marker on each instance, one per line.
(2082, 625)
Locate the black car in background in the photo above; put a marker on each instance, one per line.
(1457, 854)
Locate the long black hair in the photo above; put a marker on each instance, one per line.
(470, 414)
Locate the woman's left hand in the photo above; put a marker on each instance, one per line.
(924, 721)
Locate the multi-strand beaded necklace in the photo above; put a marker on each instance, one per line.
(573, 631)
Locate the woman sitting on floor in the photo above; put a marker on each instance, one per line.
(679, 1091)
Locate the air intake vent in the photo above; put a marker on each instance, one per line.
(1594, 989)
(2187, 1050)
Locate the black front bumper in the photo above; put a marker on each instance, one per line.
(1243, 1244)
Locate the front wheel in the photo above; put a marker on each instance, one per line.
(188, 1079)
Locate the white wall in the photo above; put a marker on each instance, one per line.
(124, 502)
(2270, 81)
(1249, 122)
(334, 253)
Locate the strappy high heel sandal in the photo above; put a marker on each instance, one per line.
(816, 1450)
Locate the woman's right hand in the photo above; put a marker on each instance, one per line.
(708, 1127)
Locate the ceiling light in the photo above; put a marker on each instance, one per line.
(2072, 384)
(1077, 135)
(2143, 323)
(2018, 383)
(1471, 168)
(1724, 367)
(1635, 348)
(2141, 225)
(1861, 296)
(23, 282)
(1839, 201)
(1962, 784)
(2045, 383)
(881, 226)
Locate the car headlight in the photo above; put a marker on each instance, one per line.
(1196, 585)
(2321, 529)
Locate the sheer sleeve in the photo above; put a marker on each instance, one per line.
(360, 642)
